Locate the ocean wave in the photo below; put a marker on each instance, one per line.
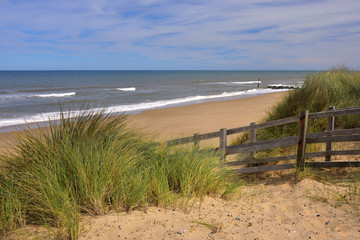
(129, 89)
(231, 83)
(138, 106)
(55, 95)
(16, 96)
(281, 86)
(248, 82)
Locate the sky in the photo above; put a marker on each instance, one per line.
(179, 34)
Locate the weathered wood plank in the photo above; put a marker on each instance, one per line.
(333, 153)
(196, 141)
(332, 113)
(238, 130)
(264, 125)
(301, 149)
(265, 160)
(346, 131)
(333, 164)
(335, 113)
(223, 144)
(349, 138)
(277, 122)
(262, 145)
(315, 154)
(252, 138)
(344, 152)
(335, 132)
(209, 135)
(329, 127)
(265, 168)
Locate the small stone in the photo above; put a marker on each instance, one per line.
(327, 223)
(179, 232)
(318, 215)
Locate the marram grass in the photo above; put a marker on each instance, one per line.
(92, 163)
(337, 87)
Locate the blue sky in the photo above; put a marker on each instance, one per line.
(179, 34)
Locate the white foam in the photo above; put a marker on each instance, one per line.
(248, 82)
(281, 86)
(55, 95)
(231, 83)
(137, 106)
(16, 96)
(130, 89)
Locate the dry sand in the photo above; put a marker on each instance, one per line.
(276, 207)
(201, 118)
(279, 210)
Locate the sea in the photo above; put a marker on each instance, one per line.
(37, 96)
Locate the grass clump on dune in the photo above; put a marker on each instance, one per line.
(93, 163)
(337, 87)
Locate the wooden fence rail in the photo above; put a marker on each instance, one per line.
(328, 137)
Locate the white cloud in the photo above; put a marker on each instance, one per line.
(239, 34)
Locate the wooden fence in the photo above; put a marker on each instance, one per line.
(328, 137)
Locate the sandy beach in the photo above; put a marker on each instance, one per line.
(275, 207)
(169, 123)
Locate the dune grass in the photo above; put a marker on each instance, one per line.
(340, 187)
(337, 87)
(94, 163)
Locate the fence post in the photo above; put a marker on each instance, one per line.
(163, 144)
(223, 142)
(330, 127)
(252, 140)
(301, 150)
(196, 141)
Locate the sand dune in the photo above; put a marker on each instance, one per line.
(274, 207)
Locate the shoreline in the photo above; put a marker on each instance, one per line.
(182, 121)
(41, 119)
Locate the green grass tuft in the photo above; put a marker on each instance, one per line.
(92, 163)
(337, 87)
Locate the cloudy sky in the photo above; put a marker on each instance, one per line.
(179, 34)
